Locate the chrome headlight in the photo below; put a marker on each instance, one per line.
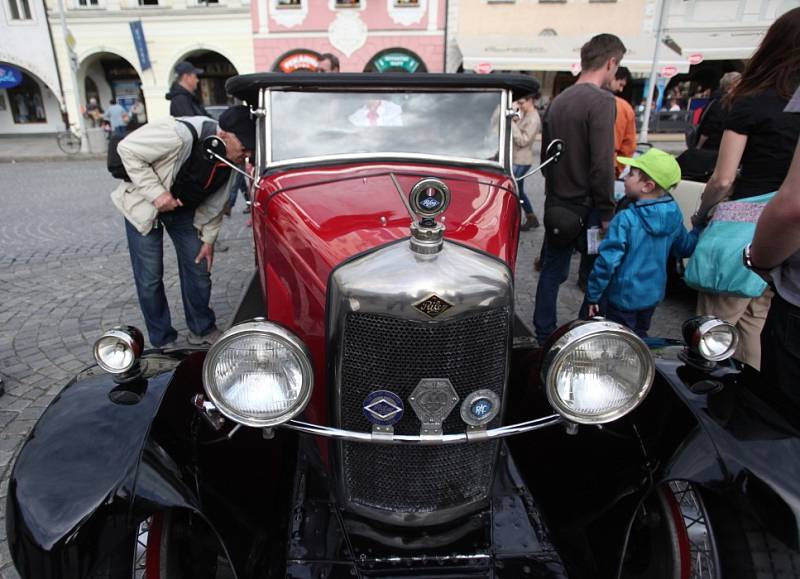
(711, 338)
(118, 349)
(597, 372)
(258, 374)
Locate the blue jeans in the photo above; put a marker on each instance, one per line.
(555, 270)
(638, 321)
(147, 260)
(238, 185)
(519, 171)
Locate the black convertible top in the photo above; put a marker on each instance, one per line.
(246, 86)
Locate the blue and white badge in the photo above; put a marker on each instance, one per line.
(383, 408)
(480, 407)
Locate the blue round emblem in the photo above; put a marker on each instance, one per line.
(481, 408)
(383, 408)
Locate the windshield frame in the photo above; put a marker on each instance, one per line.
(504, 141)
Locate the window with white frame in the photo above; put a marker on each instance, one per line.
(288, 4)
(348, 3)
(87, 3)
(19, 10)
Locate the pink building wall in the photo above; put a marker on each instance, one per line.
(310, 31)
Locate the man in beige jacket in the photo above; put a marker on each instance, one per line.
(173, 188)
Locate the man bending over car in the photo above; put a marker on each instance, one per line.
(171, 186)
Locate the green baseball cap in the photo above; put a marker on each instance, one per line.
(661, 167)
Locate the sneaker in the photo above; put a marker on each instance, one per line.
(171, 345)
(205, 340)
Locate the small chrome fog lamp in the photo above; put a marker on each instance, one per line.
(597, 371)
(118, 350)
(259, 374)
(710, 338)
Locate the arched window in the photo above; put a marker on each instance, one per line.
(27, 105)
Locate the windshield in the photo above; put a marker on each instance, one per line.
(445, 124)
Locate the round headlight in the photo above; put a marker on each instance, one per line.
(597, 372)
(258, 374)
(712, 338)
(118, 349)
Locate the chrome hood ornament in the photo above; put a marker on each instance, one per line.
(433, 400)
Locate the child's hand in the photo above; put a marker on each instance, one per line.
(594, 310)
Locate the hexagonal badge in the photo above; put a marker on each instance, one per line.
(432, 306)
(432, 400)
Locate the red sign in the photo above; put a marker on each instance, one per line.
(299, 61)
(483, 67)
(669, 71)
(695, 58)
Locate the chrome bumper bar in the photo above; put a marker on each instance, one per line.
(387, 438)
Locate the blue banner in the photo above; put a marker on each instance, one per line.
(9, 76)
(141, 44)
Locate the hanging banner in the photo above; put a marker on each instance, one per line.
(9, 76)
(140, 43)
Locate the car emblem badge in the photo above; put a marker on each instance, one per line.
(383, 408)
(433, 399)
(432, 306)
(480, 408)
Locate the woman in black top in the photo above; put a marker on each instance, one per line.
(760, 138)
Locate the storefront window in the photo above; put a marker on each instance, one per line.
(26, 102)
(288, 4)
(348, 3)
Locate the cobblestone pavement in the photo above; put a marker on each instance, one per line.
(65, 276)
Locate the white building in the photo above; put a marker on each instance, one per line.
(30, 100)
(215, 35)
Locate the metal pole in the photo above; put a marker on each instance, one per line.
(653, 72)
(73, 73)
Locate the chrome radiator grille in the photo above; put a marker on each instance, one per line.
(384, 352)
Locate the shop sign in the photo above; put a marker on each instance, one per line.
(483, 67)
(9, 76)
(299, 61)
(669, 71)
(695, 58)
(396, 60)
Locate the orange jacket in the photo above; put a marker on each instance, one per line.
(624, 132)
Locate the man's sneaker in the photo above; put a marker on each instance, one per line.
(205, 340)
(171, 345)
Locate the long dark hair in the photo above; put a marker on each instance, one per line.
(776, 62)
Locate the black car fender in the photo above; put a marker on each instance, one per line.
(733, 436)
(89, 472)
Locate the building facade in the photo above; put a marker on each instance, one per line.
(705, 38)
(30, 91)
(365, 35)
(214, 35)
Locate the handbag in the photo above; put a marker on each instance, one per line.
(716, 265)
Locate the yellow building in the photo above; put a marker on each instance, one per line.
(215, 35)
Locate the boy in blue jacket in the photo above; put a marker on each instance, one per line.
(631, 266)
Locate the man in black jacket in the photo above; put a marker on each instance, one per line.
(183, 92)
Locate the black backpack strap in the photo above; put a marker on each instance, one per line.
(192, 130)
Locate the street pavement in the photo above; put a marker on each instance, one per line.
(65, 277)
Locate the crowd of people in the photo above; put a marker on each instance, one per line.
(755, 128)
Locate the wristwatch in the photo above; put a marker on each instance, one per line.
(748, 262)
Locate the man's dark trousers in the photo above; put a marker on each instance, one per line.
(780, 348)
(147, 259)
(555, 270)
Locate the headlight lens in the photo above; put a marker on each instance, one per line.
(597, 372)
(259, 374)
(118, 349)
(712, 338)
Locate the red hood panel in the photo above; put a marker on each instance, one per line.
(307, 222)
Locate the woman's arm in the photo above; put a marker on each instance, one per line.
(719, 185)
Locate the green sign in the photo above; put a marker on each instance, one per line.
(395, 61)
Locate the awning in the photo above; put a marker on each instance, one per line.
(557, 53)
(718, 45)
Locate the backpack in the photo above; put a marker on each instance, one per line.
(197, 176)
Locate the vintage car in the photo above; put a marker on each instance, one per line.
(377, 409)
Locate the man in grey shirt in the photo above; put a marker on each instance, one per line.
(116, 115)
(582, 183)
(777, 258)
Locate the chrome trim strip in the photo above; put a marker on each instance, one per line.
(461, 438)
(268, 125)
